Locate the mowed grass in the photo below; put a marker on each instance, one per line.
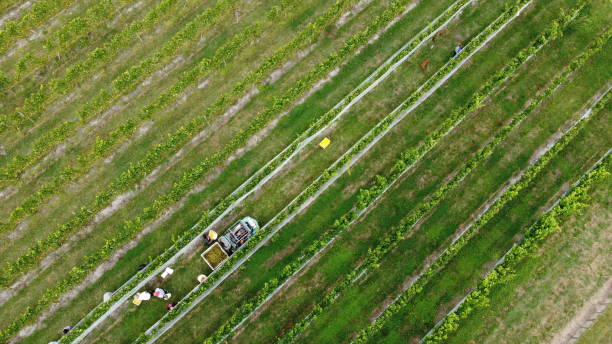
(551, 287)
(161, 244)
(278, 315)
(474, 260)
(61, 213)
(307, 291)
(598, 333)
(285, 242)
(179, 289)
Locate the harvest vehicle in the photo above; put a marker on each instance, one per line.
(228, 243)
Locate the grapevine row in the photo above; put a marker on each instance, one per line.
(276, 163)
(60, 40)
(35, 103)
(124, 83)
(443, 259)
(131, 228)
(39, 12)
(326, 178)
(533, 238)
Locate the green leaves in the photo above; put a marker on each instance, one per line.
(36, 102)
(38, 13)
(186, 182)
(103, 146)
(534, 237)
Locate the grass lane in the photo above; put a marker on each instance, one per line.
(289, 306)
(571, 260)
(599, 332)
(123, 234)
(154, 242)
(497, 237)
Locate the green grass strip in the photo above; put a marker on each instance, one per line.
(534, 237)
(35, 104)
(275, 163)
(124, 83)
(369, 195)
(188, 180)
(410, 157)
(332, 172)
(509, 194)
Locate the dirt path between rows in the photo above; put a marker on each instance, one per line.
(586, 316)
(15, 12)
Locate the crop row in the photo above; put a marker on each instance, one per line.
(189, 178)
(534, 237)
(9, 5)
(173, 142)
(408, 159)
(36, 102)
(103, 146)
(328, 176)
(276, 163)
(459, 242)
(124, 83)
(60, 40)
(43, 246)
(39, 12)
(367, 197)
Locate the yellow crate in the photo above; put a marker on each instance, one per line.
(323, 144)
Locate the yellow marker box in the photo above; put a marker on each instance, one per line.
(323, 144)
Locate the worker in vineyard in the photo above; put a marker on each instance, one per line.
(211, 236)
(457, 50)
